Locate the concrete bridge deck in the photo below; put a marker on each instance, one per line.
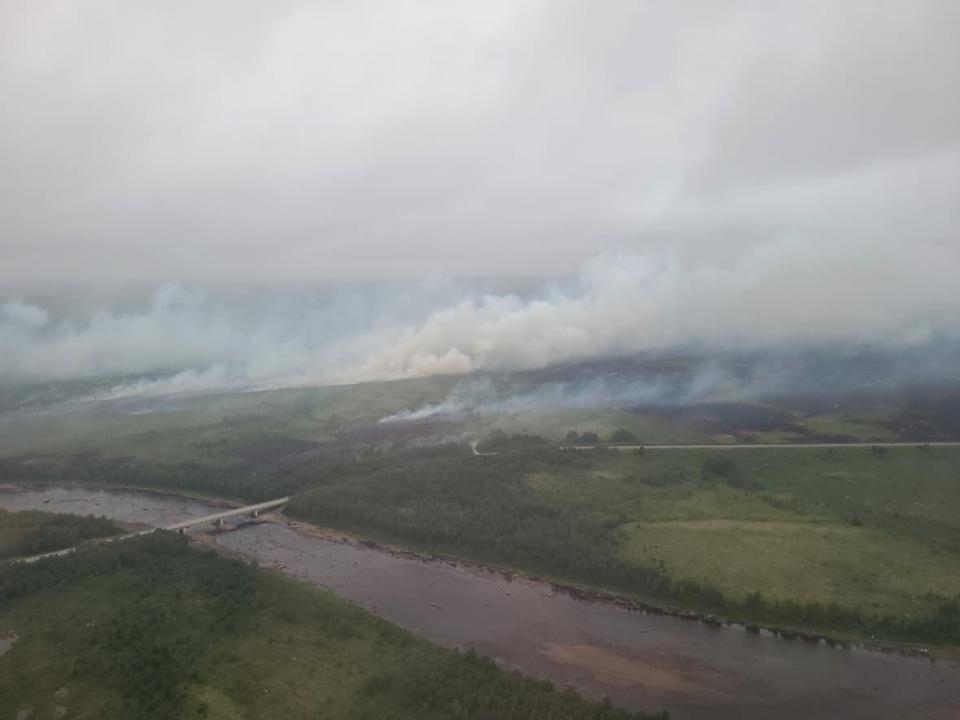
(215, 518)
(252, 510)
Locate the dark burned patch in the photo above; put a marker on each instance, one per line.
(271, 454)
(730, 418)
(656, 369)
(930, 416)
(807, 404)
(280, 453)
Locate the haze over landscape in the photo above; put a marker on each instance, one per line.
(703, 174)
(512, 359)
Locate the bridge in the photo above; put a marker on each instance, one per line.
(218, 518)
(179, 527)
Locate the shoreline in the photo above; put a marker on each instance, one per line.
(576, 591)
(623, 602)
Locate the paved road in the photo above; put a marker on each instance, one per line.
(764, 446)
(253, 510)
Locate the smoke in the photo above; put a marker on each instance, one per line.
(486, 396)
(783, 296)
(816, 378)
(190, 340)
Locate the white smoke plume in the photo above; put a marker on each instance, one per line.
(779, 296)
(783, 295)
(485, 397)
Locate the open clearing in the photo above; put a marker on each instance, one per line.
(875, 531)
(805, 561)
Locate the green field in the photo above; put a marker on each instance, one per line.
(152, 629)
(212, 427)
(208, 427)
(848, 526)
(811, 562)
(856, 541)
(850, 540)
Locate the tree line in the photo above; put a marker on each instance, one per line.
(171, 606)
(484, 508)
(31, 532)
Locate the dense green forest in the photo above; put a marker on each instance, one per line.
(226, 481)
(593, 518)
(152, 628)
(33, 532)
(488, 509)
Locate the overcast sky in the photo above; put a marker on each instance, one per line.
(208, 141)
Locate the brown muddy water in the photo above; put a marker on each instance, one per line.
(638, 661)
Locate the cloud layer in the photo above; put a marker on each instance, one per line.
(245, 142)
(691, 175)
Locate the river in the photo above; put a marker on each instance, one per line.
(638, 661)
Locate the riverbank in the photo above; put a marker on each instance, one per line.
(851, 544)
(640, 660)
(150, 628)
(857, 544)
(580, 591)
(588, 594)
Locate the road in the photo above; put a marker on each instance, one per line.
(765, 446)
(252, 510)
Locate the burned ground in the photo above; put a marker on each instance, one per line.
(931, 415)
(728, 418)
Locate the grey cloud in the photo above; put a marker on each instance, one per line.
(755, 174)
(873, 85)
(268, 143)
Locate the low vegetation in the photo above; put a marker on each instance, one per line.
(845, 541)
(151, 628)
(222, 428)
(766, 536)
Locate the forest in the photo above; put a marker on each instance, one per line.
(569, 515)
(153, 629)
(488, 510)
(32, 532)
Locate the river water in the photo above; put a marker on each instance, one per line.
(639, 661)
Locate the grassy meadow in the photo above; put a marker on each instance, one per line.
(852, 541)
(208, 427)
(875, 531)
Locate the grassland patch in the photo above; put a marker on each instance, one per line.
(807, 561)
